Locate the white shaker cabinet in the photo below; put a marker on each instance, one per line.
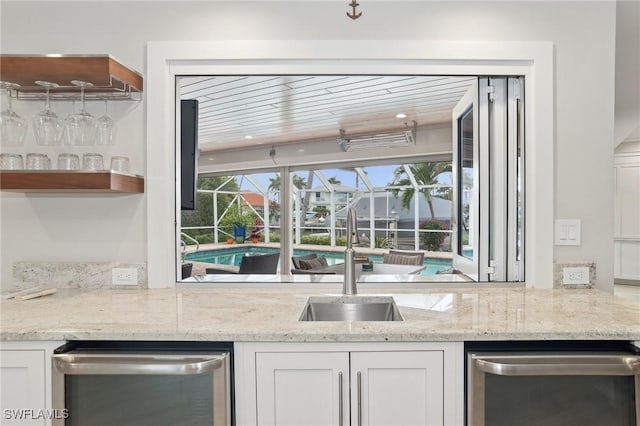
(349, 384)
(25, 383)
(302, 388)
(397, 388)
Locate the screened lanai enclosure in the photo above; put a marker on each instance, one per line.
(406, 206)
(282, 158)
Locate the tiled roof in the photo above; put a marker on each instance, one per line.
(255, 199)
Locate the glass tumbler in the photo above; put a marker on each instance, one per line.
(92, 162)
(36, 161)
(67, 161)
(120, 164)
(11, 162)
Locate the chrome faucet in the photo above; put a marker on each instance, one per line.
(349, 287)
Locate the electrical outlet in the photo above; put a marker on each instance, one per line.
(124, 276)
(577, 275)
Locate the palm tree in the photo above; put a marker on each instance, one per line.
(274, 183)
(334, 180)
(424, 174)
(299, 182)
(274, 186)
(307, 196)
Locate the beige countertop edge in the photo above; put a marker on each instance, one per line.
(629, 335)
(431, 315)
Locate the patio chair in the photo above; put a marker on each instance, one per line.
(258, 264)
(187, 268)
(403, 257)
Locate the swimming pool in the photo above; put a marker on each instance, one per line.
(233, 255)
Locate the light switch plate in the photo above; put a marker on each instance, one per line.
(567, 232)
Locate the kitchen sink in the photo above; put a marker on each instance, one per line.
(350, 308)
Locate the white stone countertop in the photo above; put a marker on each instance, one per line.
(446, 314)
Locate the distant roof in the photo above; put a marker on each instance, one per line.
(254, 199)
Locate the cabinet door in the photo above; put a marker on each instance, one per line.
(397, 388)
(23, 387)
(301, 389)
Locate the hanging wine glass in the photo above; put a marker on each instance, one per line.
(13, 128)
(80, 127)
(106, 128)
(47, 126)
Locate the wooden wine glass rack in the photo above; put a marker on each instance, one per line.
(111, 81)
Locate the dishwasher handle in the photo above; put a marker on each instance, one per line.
(138, 364)
(558, 365)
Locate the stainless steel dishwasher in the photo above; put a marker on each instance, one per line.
(553, 384)
(143, 384)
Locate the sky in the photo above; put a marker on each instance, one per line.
(379, 176)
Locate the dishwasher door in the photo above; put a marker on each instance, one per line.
(553, 389)
(141, 388)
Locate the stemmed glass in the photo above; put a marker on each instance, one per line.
(47, 126)
(80, 127)
(106, 128)
(13, 128)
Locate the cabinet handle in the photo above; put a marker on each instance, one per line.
(593, 365)
(340, 404)
(174, 364)
(359, 375)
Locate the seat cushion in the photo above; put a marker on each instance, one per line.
(296, 259)
(317, 263)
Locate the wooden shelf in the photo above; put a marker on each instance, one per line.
(111, 79)
(70, 181)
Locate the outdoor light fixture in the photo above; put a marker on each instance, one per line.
(397, 138)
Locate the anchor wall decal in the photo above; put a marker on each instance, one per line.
(354, 15)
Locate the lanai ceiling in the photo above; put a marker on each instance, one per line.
(237, 111)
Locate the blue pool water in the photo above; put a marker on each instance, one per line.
(232, 256)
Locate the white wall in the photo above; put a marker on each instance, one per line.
(57, 228)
